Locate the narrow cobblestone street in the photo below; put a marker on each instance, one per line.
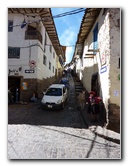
(33, 114)
(34, 133)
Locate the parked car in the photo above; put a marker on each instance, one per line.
(54, 97)
(64, 81)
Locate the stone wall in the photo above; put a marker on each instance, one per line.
(114, 101)
(36, 85)
(115, 55)
(114, 118)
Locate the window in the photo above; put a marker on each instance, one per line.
(50, 48)
(54, 55)
(95, 37)
(14, 52)
(50, 65)
(10, 26)
(44, 60)
(53, 69)
(54, 92)
(45, 42)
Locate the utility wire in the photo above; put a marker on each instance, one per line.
(45, 45)
(69, 13)
(48, 18)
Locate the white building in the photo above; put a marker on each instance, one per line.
(35, 57)
(97, 58)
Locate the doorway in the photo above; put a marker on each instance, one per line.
(14, 84)
(95, 84)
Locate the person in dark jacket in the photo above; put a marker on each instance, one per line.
(91, 102)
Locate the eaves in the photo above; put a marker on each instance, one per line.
(87, 23)
(47, 19)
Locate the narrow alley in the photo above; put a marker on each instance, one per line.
(34, 133)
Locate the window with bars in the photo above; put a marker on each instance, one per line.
(14, 52)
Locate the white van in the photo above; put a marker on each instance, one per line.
(54, 97)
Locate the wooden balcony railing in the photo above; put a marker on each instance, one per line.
(33, 35)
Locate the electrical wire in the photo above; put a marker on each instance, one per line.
(69, 13)
(76, 11)
(40, 46)
(48, 18)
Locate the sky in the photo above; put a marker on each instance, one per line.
(67, 28)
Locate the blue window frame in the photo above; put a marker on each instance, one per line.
(95, 37)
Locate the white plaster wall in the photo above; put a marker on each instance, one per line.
(90, 65)
(88, 70)
(104, 49)
(17, 39)
(43, 70)
(109, 78)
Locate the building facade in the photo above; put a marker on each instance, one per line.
(35, 57)
(97, 59)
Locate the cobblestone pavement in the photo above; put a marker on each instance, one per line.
(51, 142)
(34, 133)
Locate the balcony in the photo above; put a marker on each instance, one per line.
(33, 35)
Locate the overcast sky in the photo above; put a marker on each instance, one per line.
(67, 28)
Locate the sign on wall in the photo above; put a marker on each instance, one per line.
(32, 64)
(24, 85)
(29, 71)
(103, 69)
(15, 72)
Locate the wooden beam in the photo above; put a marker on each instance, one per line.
(91, 50)
(90, 54)
(89, 57)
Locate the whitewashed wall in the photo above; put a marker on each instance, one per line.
(104, 50)
(107, 78)
(91, 65)
(17, 39)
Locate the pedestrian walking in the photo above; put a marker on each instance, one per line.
(10, 96)
(91, 102)
(93, 107)
(82, 99)
(17, 95)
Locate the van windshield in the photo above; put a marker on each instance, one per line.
(54, 92)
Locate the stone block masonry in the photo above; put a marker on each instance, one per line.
(114, 118)
(35, 85)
